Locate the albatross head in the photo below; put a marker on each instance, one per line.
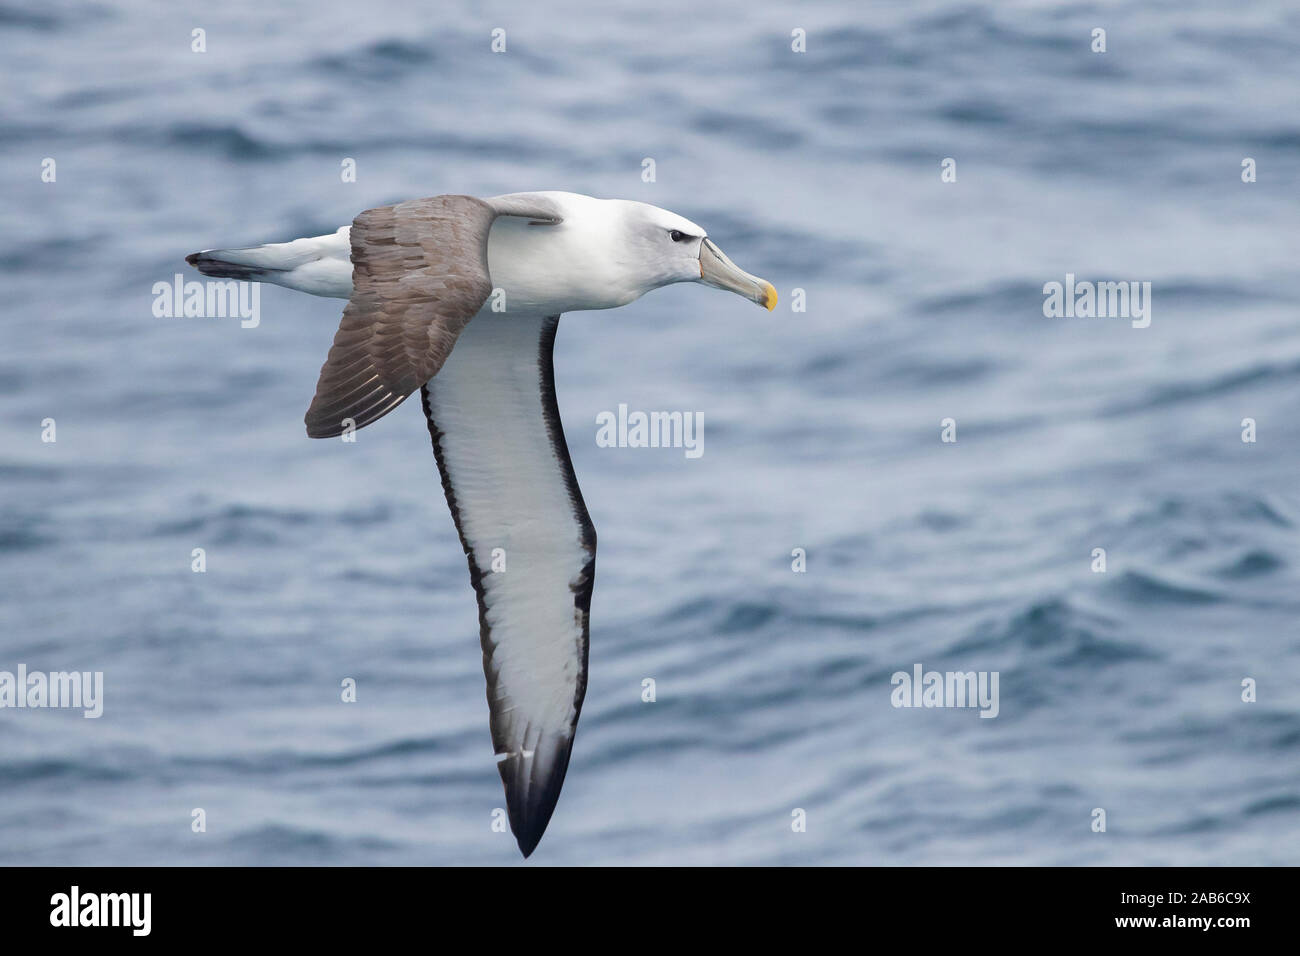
(660, 247)
(604, 253)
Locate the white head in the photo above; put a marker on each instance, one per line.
(606, 253)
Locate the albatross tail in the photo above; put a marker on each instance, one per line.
(320, 265)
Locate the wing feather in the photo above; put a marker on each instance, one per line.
(419, 274)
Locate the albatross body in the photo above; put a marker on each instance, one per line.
(459, 298)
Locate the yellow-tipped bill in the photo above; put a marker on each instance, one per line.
(720, 272)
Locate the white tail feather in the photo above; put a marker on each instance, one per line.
(318, 265)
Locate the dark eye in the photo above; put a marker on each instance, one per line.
(678, 236)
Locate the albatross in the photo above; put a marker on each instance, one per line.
(459, 298)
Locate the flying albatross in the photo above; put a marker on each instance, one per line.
(460, 298)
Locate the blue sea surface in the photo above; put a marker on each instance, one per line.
(821, 171)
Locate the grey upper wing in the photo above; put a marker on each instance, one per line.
(419, 274)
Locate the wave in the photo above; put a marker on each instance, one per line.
(1059, 632)
(1211, 386)
(1145, 587)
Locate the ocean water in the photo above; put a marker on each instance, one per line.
(821, 171)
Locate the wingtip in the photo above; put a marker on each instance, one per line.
(316, 430)
(313, 427)
(528, 823)
(317, 425)
(527, 844)
(532, 786)
(531, 828)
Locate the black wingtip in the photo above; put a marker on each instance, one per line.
(532, 786)
(528, 823)
(528, 844)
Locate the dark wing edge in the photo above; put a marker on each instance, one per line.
(532, 782)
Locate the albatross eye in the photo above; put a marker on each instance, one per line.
(677, 235)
